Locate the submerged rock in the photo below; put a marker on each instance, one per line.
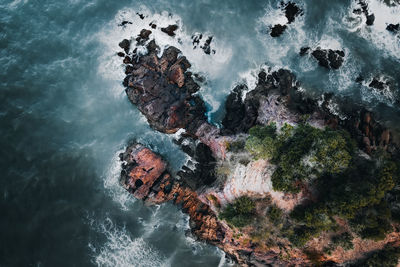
(304, 51)
(124, 22)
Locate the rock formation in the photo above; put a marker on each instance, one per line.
(328, 58)
(163, 89)
(291, 11)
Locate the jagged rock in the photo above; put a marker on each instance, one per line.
(163, 91)
(370, 19)
(234, 110)
(125, 44)
(328, 58)
(141, 16)
(196, 39)
(127, 60)
(152, 25)
(206, 47)
(377, 84)
(364, 9)
(124, 22)
(121, 54)
(277, 30)
(393, 27)
(143, 36)
(204, 171)
(141, 170)
(144, 175)
(304, 51)
(291, 11)
(170, 30)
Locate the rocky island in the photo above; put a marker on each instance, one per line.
(288, 180)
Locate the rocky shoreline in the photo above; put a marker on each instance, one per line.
(164, 90)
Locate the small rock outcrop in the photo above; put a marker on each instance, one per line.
(277, 30)
(125, 44)
(363, 9)
(328, 58)
(291, 11)
(393, 27)
(170, 30)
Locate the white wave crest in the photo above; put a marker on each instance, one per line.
(377, 34)
(112, 185)
(121, 250)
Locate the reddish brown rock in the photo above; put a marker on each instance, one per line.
(144, 175)
(143, 169)
(163, 89)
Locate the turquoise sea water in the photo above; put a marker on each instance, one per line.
(64, 116)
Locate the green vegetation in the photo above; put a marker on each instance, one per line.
(262, 141)
(240, 213)
(357, 195)
(354, 188)
(387, 257)
(275, 214)
(360, 190)
(372, 222)
(301, 154)
(343, 240)
(235, 146)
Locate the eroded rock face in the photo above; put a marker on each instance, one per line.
(202, 172)
(144, 175)
(163, 89)
(158, 186)
(142, 168)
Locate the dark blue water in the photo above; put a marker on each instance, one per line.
(64, 116)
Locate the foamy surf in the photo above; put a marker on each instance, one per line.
(377, 34)
(121, 250)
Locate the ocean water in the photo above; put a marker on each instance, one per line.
(64, 116)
